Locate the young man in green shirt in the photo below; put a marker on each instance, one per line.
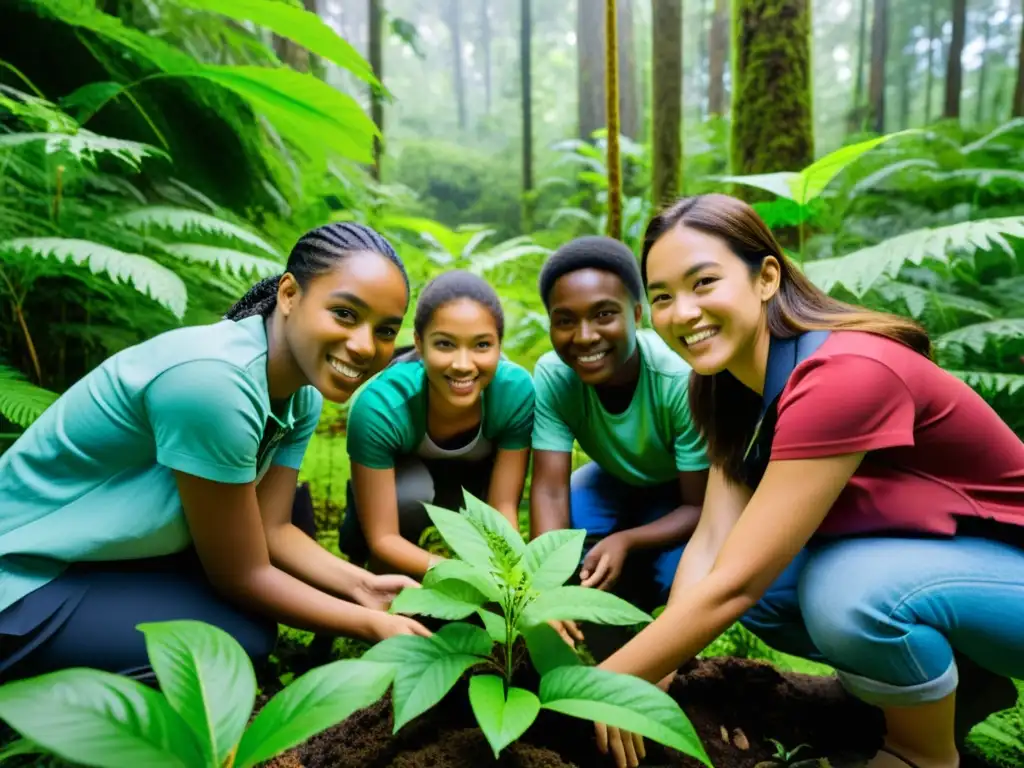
(621, 393)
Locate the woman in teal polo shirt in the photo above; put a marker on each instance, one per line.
(450, 415)
(160, 485)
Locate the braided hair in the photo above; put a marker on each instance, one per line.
(451, 286)
(315, 253)
(592, 252)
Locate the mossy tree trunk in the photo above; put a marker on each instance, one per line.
(772, 126)
(666, 81)
(718, 56)
(377, 64)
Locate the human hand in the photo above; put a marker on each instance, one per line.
(377, 591)
(384, 625)
(627, 748)
(603, 564)
(568, 630)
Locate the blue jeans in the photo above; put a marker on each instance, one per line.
(889, 613)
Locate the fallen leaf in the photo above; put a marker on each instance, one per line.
(739, 738)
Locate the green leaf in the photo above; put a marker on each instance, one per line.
(489, 519)
(780, 183)
(449, 599)
(548, 650)
(553, 557)
(21, 401)
(206, 677)
(502, 720)
(86, 145)
(990, 385)
(426, 668)
(460, 570)
(621, 701)
(582, 604)
(226, 259)
(322, 697)
(297, 24)
(95, 718)
(183, 221)
(813, 179)
(301, 107)
(461, 536)
(143, 274)
(494, 625)
(979, 335)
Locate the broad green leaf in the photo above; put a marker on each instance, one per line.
(449, 599)
(301, 107)
(86, 145)
(553, 557)
(502, 720)
(622, 701)
(548, 650)
(460, 570)
(143, 274)
(582, 604)
(813, 179)
(322, 697)
(226, 259)
(979, 335)
(781, 183)
(426, 668)
(495, 626)
(95, 718)
(184, 221)
(489, 519)
(206, 677)
(461, 536)
(21, 401)
(297, 24)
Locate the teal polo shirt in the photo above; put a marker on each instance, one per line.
(91, 479)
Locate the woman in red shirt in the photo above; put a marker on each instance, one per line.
(879, 496)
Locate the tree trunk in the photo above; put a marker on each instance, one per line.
(879, 54)
(718, 55)
(983, 72)
(772, 127)
(376, 56)
(458, 82)
(590, 67)
(629, 105)
(485, 50)
(1017, 109)
(929, 82)
(856, 121)
(295, 56)
(667, 99)
(954, 66)
(611, 68)
(525, 39)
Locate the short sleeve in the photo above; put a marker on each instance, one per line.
(550, 432)
(689, 447)
(516, 409)
(207, 420)
(293, 447)
(373, 436)
(842, 404)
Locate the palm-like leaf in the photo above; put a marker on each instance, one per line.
(990, 385)
(183, 221)
(939, 310)
(21, 401)
(226, 259)
(86, 145)
(978, 336)
(142, 273)
(859, 271)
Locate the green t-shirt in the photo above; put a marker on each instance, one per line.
(649, 443)
(388, 417)
(91, 479)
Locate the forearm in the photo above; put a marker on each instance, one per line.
(402, 555)
(549, 510)
(678, 525)
(293, 551)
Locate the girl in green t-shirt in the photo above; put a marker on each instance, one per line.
(449, 415)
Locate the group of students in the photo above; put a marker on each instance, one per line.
(766, 454)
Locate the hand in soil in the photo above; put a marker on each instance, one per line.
(626, 748)
(603, 564)
(384, 625)
(568, 630)
(377, 591)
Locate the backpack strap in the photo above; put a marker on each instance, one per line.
(784, 355)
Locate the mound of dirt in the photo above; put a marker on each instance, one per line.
(736, 705)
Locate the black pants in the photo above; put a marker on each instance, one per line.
(87, 616)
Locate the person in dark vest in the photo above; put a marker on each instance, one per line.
(846, 464)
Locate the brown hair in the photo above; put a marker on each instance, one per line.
(724, 410)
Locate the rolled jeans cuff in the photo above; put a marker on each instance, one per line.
(887, 695)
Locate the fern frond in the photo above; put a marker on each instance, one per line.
(990, 385)
(183, 221)
(859, 271)
(86, 146)
(935, 308)
(979, 335)
(142, 273)
(226, 259)
(21, 401)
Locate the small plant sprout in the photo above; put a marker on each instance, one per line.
(526, 582)
(786, 756)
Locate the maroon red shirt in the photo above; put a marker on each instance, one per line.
(936, 449)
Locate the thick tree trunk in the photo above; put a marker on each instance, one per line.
(879, 55)
(525, 39)
(667, 100)
(772, 127)
(954, 66)
(611, 68)
(718, 55)
(590, 66)
(376, 57)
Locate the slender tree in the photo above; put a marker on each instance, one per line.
(376, 56)
(856, 121)
(1018, 94)
(525, 37)
(954, 65)
(718, 55)
(879, 57)
(667, 98)
(454, 23)
(929, 83)
(611, 69)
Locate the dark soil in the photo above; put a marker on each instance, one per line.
(736, 705)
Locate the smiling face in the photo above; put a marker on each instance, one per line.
(460, 350)
(341, 328)
(706, 304)
(593, 324)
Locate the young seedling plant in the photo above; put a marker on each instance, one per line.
(526, 582)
